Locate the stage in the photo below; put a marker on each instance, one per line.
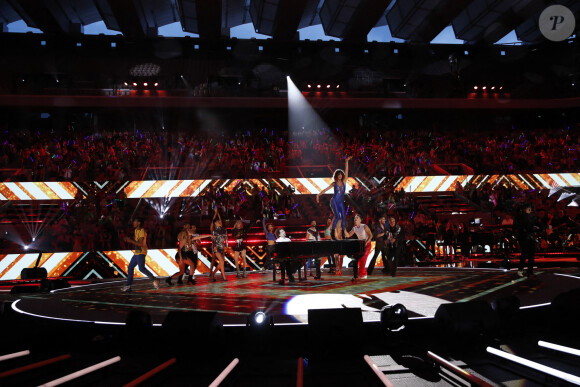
(420, 290)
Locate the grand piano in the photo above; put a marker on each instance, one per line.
(299, 252)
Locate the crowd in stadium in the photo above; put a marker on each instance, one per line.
(123, 156)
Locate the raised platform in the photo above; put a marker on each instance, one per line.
(421, 290)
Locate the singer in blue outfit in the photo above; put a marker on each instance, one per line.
(337, 201)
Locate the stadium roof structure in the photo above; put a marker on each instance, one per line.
(420, 21)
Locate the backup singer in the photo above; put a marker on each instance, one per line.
(271, 238)
(363, 232)
(337, 202)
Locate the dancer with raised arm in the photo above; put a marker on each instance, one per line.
(363, 232)
(138, 259)
(337, 201)
(220, 241)
(186, 254)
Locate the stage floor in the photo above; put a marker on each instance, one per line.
(421, 290)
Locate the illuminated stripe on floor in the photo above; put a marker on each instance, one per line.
(536, 366)
(14, 355)
(225, 373)
(559, 348)
(141, 306)
(82, 372)
(488, 291)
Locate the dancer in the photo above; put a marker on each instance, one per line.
(379, 244)
(313, 235)
(239, 234)
(138, 258)
(271, 238)
(220, 241)
(337, 201)
(363, 232)
(186, 254)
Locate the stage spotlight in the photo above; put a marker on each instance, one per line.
(484, 87)
(34, 239)
(318, 86)
(145, 84)
(475, 87)
(493, 87)
(501, 87)
(338, 86)
(125, 84)
(26, 247)
(135, 84)
(161, 216)
(309, 86)
(156, 84)
(258, 319)
(394, 317)
(328, 86)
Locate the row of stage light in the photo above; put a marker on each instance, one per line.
(141, 84)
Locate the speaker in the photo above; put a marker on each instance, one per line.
(465, 318)
(206, 328)
(53, 284)
(17, 289)
(335, 332)
(33, 273)
(565, 310)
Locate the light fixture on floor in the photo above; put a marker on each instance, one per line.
(393, 317)
(259, 319)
